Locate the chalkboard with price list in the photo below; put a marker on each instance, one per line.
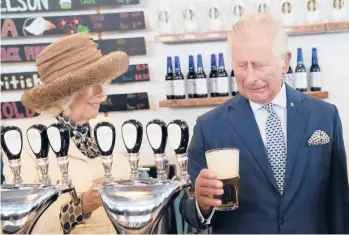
(125, 102)
(63, 25)
(27, 53)
(135, 73)
(23, 6)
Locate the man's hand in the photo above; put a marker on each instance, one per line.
(207, 186)
(91, 200)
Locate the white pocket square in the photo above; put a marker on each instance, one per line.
(319, 137)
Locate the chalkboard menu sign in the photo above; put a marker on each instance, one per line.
(19, 81)
(21, 6)
(125, 102)
(27, 80)
(15, 110)
(27, 53)
(60, 25)
(135, 73)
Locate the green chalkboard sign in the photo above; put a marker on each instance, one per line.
(63, 25)
(24, 6)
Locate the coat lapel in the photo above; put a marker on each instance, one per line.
(240, 115)
(297, 120)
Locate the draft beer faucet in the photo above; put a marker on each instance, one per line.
(105, 138)
(22, 204)
(157, 138)
(39, 144)
(12, 143)
(178, 132)
(146, 206)
(132, 135)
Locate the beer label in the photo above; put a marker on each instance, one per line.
(301, 80)
(234, 86)
(222, 85)
(315, 79)
(338, 10)
(288, 78)
(190, 20)
(201, 86)
(286, 11)
(312, 11)
(169, 87)
(191, 86)
(213, 83)
(178, 87)
(215, 18)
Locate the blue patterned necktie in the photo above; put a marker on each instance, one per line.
(276, 146)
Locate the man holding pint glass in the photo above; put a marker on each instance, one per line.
(271, 159)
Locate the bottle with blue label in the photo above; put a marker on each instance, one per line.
(178, 81)
(301, 81)
(222, 79)
(213, 76)
(289, 77)
(201, 80)
(169, 79)
(191, 78)
(315, 73)
(234, 85)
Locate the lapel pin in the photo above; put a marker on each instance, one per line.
(292, 104)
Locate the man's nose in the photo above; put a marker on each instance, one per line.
(250, 76)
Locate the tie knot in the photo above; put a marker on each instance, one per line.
(269, 108)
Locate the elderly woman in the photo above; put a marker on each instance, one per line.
(73, 73)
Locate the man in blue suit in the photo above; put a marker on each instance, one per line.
(293, 174)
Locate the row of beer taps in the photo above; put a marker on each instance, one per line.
(40, 138)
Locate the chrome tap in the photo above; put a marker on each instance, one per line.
(132, 135)
(105, 138)
(178, 131)
(23, 204)
(146, 206)
(157, 138)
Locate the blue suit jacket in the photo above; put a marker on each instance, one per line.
(316, 194)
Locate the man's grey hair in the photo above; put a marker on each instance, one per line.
(266, 22)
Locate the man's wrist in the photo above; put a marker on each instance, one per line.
(205, 216)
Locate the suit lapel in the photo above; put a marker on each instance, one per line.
(297, 120)
(241, 117)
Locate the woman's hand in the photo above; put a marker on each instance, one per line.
(91, 200)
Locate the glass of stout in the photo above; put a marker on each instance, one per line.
(224, 162)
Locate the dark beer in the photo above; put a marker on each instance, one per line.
(230, 199)
(224, 163)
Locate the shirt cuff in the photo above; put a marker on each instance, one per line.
(203, 220)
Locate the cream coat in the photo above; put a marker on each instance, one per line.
(82, 171)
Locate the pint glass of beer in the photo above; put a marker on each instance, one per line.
(224, 163)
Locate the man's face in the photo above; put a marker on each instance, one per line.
(258, 72)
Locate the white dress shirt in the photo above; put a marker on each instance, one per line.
(261, 115)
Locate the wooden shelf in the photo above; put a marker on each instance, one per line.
(222, 35)
(214, 101)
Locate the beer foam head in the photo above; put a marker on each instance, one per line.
(223, 162)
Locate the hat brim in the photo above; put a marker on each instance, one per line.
(106, 68)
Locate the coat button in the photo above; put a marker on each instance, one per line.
(281, 221)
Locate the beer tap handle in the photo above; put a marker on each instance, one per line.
(179, 135)
(104, 133)
(58, 136)
(59, 139)
(157, 138)
(179, 138)
(132, 135)
(12, 143)
(39, 144)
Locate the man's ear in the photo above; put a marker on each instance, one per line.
(286, 62)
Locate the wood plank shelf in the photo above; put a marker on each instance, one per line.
(214, 101)
(306, 29)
